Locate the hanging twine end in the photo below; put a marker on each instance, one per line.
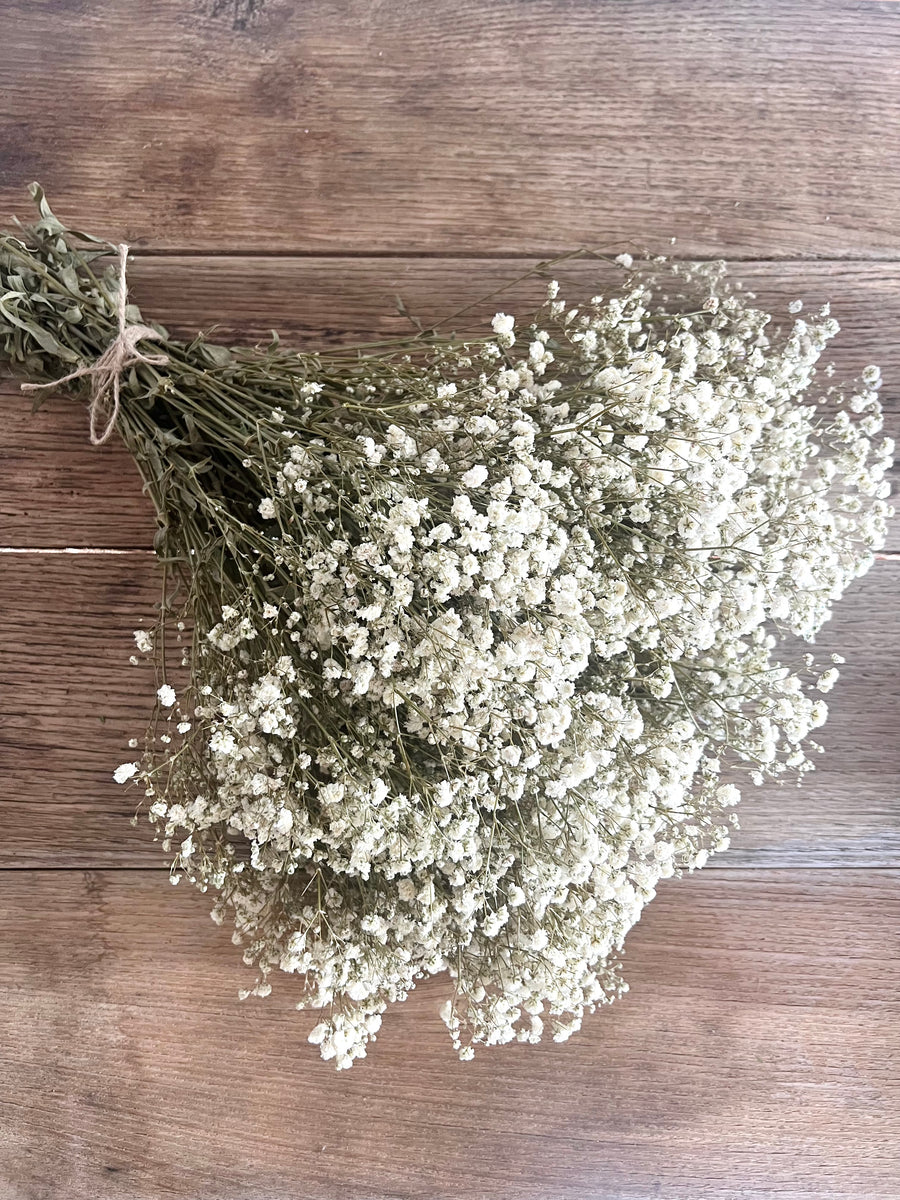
(106, 372)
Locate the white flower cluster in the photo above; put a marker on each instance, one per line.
(509, 635)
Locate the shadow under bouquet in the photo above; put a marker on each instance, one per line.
(466, 641)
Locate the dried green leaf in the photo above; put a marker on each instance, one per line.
(219, 356)
(39, 333)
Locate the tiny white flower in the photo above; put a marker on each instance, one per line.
(124, 772)
(166, 694)
(284, 822)
(827, 680)
(143, 639)
(475, 476)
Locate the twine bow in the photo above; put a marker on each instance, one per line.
(108, 368)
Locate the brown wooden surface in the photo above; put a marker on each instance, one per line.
(298, 169)
(756, 1055)
(518, 126)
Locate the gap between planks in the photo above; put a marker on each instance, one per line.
(886, 556)
(538, 258)
(720, 872)
(74, 550)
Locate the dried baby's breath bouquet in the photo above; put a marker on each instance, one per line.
(484, 628)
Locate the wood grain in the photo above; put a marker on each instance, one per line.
(70, 701)
(487, 126)
(755, 1056)
(57, 490)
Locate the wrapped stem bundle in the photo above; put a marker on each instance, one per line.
(483, 629)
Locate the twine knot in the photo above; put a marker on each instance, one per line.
(107, 371)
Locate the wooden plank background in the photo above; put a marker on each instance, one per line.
(299, 166)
